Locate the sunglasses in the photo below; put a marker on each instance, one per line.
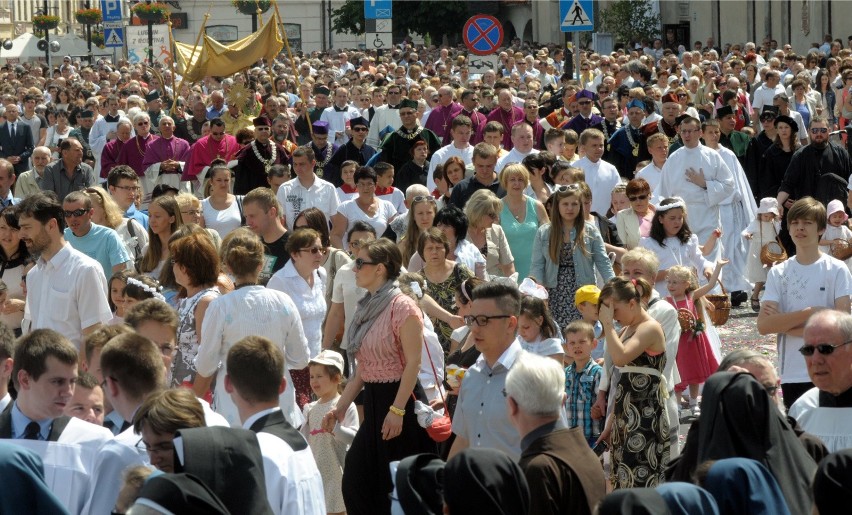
(313, 250)
(823, 348)
(637, 197)
(421, 198)
(566, 188)
(359, 263)
(76, 213)
(359, 129)
(819, 130)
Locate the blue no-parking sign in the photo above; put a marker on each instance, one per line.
(482, 34)
(576, 15)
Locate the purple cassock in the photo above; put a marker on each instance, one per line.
(133, 153)
(441, 118)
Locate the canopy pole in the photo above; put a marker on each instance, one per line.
(173, 50)
(191, 56)
(293, 64)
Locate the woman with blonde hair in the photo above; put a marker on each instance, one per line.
(482, 211)
(190, 211)
(521, 216)
(107, 213)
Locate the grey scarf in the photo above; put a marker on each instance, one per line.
(369, 308)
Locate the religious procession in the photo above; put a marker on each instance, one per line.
(399, 279)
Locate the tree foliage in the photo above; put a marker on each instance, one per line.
(630, 20)
(433, 17)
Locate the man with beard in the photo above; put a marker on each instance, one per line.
(100, 243)
(309, 116)
(165, 157)
(356, 149)
(190, 129)
(66, 290)
(256, 158)
(819, 170)
(282, 133)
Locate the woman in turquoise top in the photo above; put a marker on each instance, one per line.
(521, 216)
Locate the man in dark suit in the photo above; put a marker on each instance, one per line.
(255, 380)
(16, 140)
(563, 473)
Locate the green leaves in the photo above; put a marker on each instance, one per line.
(433, 17)
(630, 20)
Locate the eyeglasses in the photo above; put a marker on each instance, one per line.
(313, 250)
(585, 102)
(359, 263)
(76, 213)
(142, 124)
(128, 188)
(771, 389)
(823, 348)
(819, 130)
(162, 448)
(634, 198)
(359, 129)
(482, 320)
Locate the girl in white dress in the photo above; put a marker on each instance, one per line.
(762, 230)
(836, 229)
(329, 445)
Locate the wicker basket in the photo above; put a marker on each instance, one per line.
(721, 306)
(686, 320)
(841, 249)
(772, 253)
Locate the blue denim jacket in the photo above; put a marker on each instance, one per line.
(545, 270)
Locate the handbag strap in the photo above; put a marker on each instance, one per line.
(434, 373)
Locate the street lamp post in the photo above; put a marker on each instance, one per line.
(89, 34)
(150, 40)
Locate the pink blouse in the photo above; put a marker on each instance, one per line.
(380, 357)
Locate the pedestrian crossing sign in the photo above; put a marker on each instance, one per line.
(113, 37)
(576, 15)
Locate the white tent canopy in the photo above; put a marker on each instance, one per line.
(24, 48)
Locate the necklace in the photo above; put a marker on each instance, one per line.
(605, 130)
(633, 144)
(446, 113)
(523, 210)
(402, 131)
(190, 129)
(267, 163)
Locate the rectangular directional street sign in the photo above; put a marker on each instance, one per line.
(576, 15)
(114, 37)
(483, 63)
(111, 10)
(376, 9)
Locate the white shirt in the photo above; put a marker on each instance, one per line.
(831, 425)
(222, 221)
(514, 156)
(293, 482)
(251, 310)
(442, 155)
(652, 174)
(383, 117)
(795, 287)
(601, 177)
(765, 96)
(67, 294)
(379, 221)
(345, 291)
(296, 198)
(338, 121)
(310, 301)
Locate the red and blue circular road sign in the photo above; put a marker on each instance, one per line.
(482, 34)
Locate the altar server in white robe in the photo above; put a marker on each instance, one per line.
(45, 372)
(701, 178)
(736, 213)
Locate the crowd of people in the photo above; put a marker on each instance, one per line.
(387, 284)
